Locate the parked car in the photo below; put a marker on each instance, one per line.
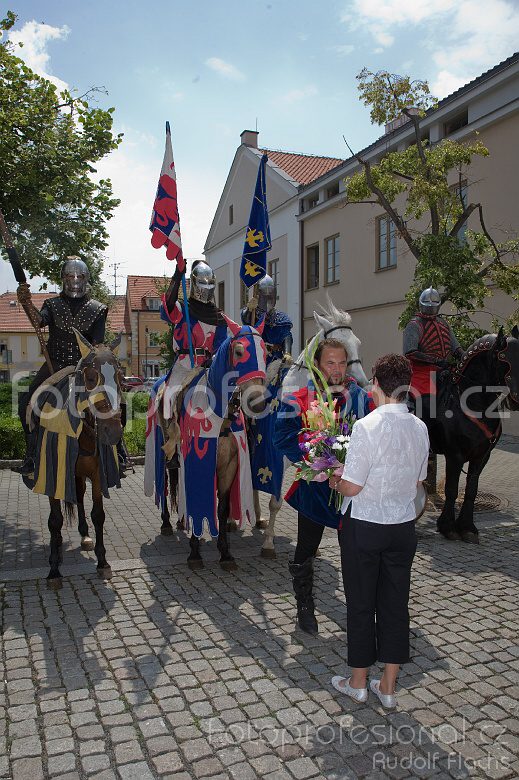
(132, 383)
(147, 385)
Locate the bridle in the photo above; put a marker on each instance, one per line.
(342, 327)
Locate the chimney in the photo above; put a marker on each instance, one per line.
(250, 138)
(403, 119)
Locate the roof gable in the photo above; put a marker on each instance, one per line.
(13, 319)
(141, 287)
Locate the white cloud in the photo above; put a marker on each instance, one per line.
(134, 181)
(35, 38)
(465, 37)
(225, 69)
(344, 49)
(295, 95)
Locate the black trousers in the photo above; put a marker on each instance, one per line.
(309, 535)
(42, 374)
(376, 568)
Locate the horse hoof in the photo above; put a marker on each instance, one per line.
(166, 530)
(232, 526)
(87, 543)
(452, 536)
(105, 572)
(229, 565)
(54, 583)
(181, 525)
(470, 537)
(262, 524)
(195, 564)
(268, 552)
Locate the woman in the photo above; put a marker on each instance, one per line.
(386, 460)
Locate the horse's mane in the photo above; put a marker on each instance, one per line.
(335, 315)
(483, 344)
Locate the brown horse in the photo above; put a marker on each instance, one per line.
(79, 428)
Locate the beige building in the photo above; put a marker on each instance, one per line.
(143, 295)
(20, 350)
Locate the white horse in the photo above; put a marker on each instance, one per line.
(332, 323)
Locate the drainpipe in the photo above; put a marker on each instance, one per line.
(302, 285)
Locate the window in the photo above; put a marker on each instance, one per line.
(313, 200)
(244, 295)
(221, 295)
(231, 214)
(273, 271)
(153, 339)
(333, 259)
(312, 267)
(153, 304)
(455, 123)
(332, 190)
(386, 243)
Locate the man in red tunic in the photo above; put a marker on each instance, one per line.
(429, 343)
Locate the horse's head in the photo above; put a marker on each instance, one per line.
(98, 372)
(246, 360)
(334, 322)
(507, 353)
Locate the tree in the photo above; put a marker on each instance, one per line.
(460, 268)
(49, 144)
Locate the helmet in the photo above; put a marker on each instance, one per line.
(267, 294)
(75, 276)
(203, 282)
(429, 301)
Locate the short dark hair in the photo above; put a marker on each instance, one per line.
(333, 343)
(393, 373)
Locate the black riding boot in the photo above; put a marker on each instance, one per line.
(303, 580)
(28, 465)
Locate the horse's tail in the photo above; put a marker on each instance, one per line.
(70, 513)
(173, 488)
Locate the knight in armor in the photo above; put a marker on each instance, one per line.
(73, 308)
(429, 343)
(208, 330)
(277, 333)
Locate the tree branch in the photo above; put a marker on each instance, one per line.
(463, 218)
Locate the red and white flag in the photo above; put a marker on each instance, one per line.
(165, 224)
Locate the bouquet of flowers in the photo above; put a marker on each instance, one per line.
(325, 438)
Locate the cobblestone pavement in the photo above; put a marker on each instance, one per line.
(163, 672)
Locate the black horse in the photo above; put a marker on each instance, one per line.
(464, 421)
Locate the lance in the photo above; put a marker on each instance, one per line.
(20, 277)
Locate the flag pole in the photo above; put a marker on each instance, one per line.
(188, 321)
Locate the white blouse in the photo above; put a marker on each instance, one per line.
(387, 455)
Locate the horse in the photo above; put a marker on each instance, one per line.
(214, 467)
(80, 426)
(333, 322)
(464, 421)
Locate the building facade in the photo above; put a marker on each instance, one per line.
(143, 295)
(286, 172)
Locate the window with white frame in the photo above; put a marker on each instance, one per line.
(153, 339)
(386, 243)
(332, 247)
(153, 304)
(312, 267)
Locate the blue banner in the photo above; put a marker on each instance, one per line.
(257, 237)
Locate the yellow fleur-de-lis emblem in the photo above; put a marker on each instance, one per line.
(251, 269)
(274, 405)
(254, 237)
(265, 475)
(259, 438)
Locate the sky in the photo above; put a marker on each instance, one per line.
(214, 69)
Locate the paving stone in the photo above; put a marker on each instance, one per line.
(139, 771)
(168, 762)
(27, 768)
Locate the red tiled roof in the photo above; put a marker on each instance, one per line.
(118, 315)
(140, 287)
(12, 317)
(303, 168)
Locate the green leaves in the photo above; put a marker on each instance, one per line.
(49, 144)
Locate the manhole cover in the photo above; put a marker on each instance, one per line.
(485, 502)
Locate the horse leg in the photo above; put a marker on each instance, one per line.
(174, 476)
(260, 521)
(54, 579)
(465, 522)
(446, 523)
(195, 559)
(86, 541)
(227, 561)
(268, 550)
(166, 528)
(98, 518)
